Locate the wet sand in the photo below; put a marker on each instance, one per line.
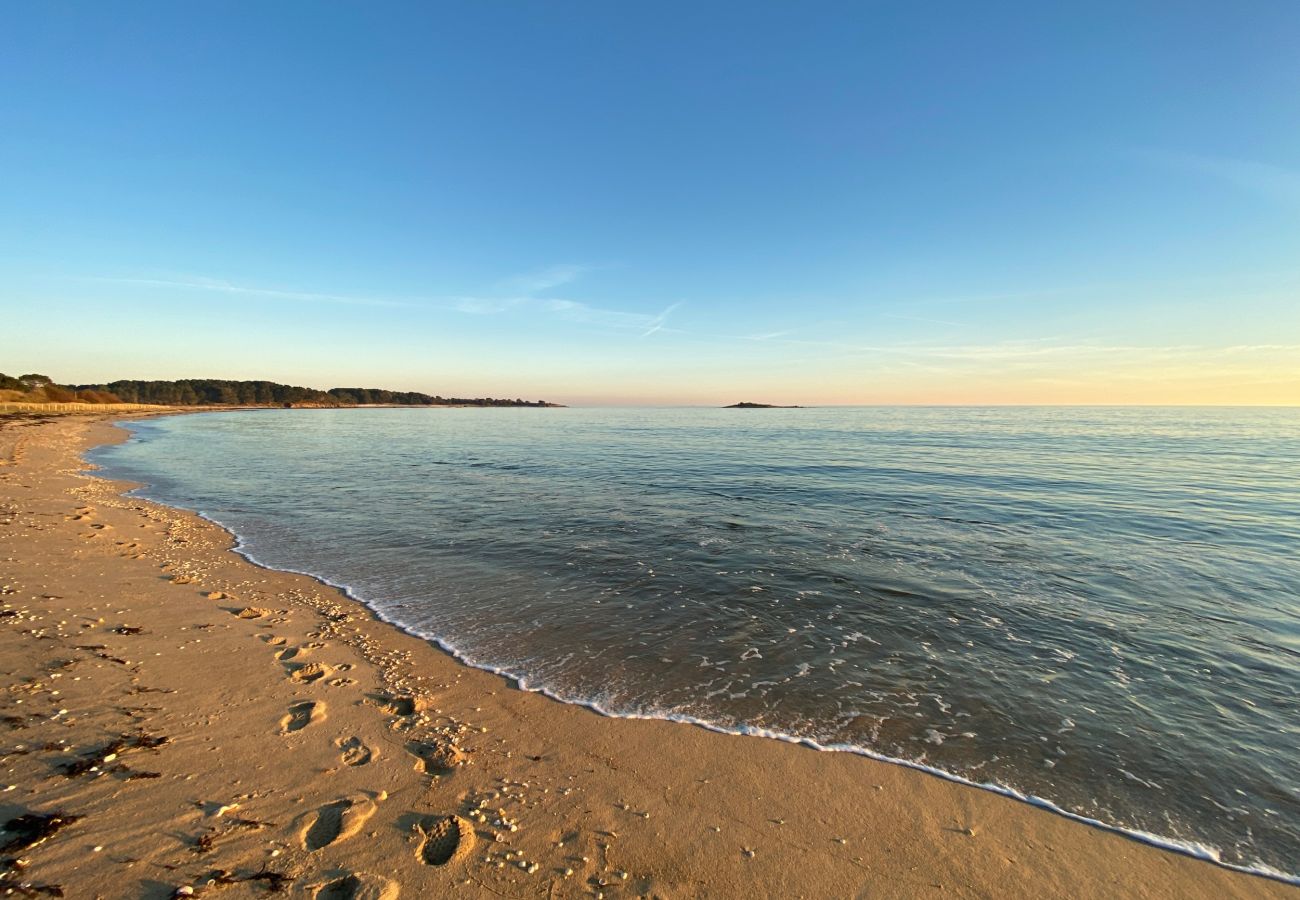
(176, 719)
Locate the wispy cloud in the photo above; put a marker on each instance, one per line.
(527, 294)
(925, 320)
(585, 314)
(542, 280)
(523, 297)
(486, 306)
(1273, 182)
(529, 286)
(226, 287)
(1019, 354)
(657, 324)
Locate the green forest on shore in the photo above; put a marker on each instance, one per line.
(34, 388)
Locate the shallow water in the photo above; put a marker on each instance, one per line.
(1096, 607)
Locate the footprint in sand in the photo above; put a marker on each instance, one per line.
(360, 886)
(252, 612)
(273, 639)
(437, 758)
(337, 821)
(301, 715)
(355, 751)
(445, 840)
(309, 672)
(398, 705)
(291, 653)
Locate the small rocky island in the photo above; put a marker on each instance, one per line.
(759, 406)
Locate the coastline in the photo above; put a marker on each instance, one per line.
(386, 732)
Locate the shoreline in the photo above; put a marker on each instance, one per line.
(570, 776)
(519, 682)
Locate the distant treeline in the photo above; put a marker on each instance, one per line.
(350, 396)
(219, 392)
(35, 388)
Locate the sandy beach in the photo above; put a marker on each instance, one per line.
(179, 722)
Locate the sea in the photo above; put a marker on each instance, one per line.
(1095, 610)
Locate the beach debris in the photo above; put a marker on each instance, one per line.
(275, 882)
(444, 840)
(95, 760)
(33, 829)
(29, 889)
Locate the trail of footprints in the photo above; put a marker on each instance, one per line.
(440, 840)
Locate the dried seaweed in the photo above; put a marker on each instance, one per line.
(274, 882)
(31, 829)
(109, 751)
(204, 843)
(29, 889)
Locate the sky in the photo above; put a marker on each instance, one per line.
(659, 203)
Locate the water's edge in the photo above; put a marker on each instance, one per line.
(1187, 848)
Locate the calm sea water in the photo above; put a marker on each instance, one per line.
(1096, 608)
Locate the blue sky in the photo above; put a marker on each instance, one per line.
(661, 203)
